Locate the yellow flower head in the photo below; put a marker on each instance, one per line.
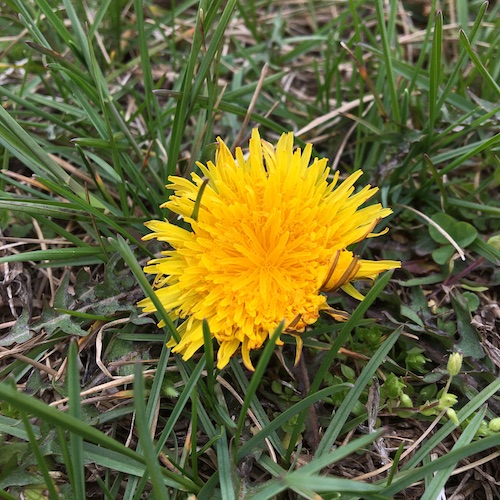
(268, 234)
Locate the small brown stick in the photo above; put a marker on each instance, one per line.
(29, 361)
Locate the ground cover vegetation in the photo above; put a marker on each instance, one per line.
(101, 102)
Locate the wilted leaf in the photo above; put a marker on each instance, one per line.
(52, 320)
(102, 300)
(20, 332)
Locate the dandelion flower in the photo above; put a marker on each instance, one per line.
(268, 235)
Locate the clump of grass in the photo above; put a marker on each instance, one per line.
(101, 101)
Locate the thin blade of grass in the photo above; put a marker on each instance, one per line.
(257, 378)
(435, 71)
(50, 209)
(14, 138)
(73, 254)
(341, 339)
(225, 467)
(471, 151)
(176, 412)
(458, 66)
(256, 441)
(143, 430)
(59, 419)
(80, 45)
(66, 455)
(442, 475)
(42, 464)
(306, 477)
(150, 102)
(209, 355)
(478, 64)
(320, 462)
(345, 409)
(121, 246)
(391, 82)
(75, 410)
(191, 89)
(182, 106)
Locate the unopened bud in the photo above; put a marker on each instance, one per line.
(452, 415)
(455, 364)
(494, 425)
(405, 401)
(447, 400)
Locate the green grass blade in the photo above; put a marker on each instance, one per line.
(318, 463)
(153, 402)
(29, 22)
(256, 441)
(180, 407)
(80, 44)
(471, 152)
(50, 209)
(68, 422)
(306, 477)
(345, 409)
(209, 355)
(143, 429)
(75, 410)
(42, 464)
(391, 81)
(14, 138)
(189, 388)
(225, 467)
(66, 456)
(478, 64)
(435, 71)
(191, 89)
(458, 66)
(55, 22)
(215, 42)
(442, 475)
(422, 81)
(121, 246)
(341, 339)
(256, 405)
(182, 106)
(257, 377)
(54, 255)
